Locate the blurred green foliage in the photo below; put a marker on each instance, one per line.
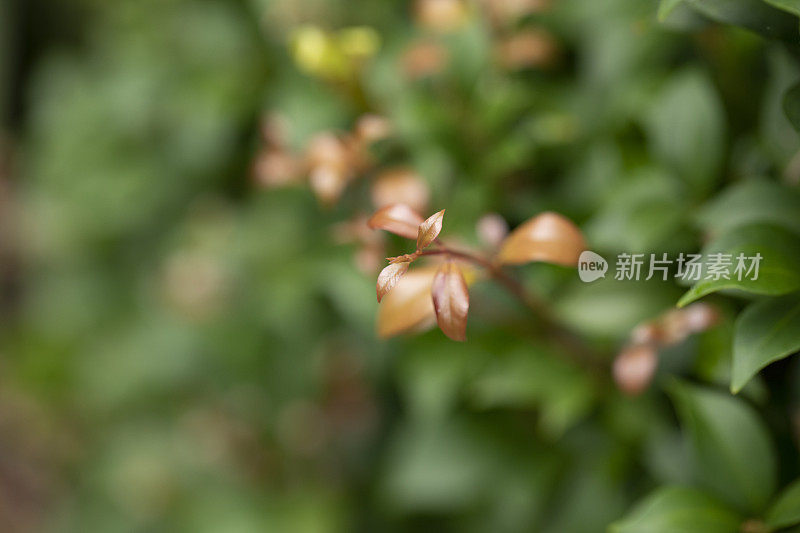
(191, 352)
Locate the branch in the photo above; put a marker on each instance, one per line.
(568, 340)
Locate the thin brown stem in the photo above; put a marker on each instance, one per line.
(565, 338)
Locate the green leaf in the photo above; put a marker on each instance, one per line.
(785, 511)
(779, 268)
(531, 377)
(733, 455)
(686, 128)
(749, 202)
(791, 105)
(752, 14)
(673, 509)
(790, 6)
(765, 332)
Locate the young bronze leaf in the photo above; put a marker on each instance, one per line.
(398, 219)
(547, 237)
(408, 307)
(451, 301)
(389, 277)
(429, 230)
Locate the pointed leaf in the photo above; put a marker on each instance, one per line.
(750, 202)
(429, 230)
(389, 277)
(755, 15)
(684, 509)
(791, 104)
(547, 237)
(398, 219)
(734, 457)
(785, 511)
(779, 267)
(686, 128)
(451, 301)
(765, 332)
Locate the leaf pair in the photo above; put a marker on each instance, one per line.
(448, 289)
(400, 219)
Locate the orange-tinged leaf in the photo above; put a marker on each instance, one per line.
(451, 301)
(429, 230)
(409, 305)
(398, 219)
(548, 237)
(389, 277)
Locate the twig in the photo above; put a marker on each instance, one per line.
(572, 344)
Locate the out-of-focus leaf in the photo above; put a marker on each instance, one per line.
(785, 510)
(400, 185)
(673, 509)
(389, 277)
(779, 267)
(645, 210)
(686, 128)
(777, 136)
(755, 15)
(588, 308)
(548, 237)
(750, 202)
(790, 6)
(733, 454)
(429, 230)
(533, 378)
(765, 332)
(451, 301)
(398, 219)
(791, 105)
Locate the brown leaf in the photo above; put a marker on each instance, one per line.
(429, 230)
(634, 368)
(548, 237)
(389, 277)
(400, 186)
(409, 305)
(451, 301)
(398, 219)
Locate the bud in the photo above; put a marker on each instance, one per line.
(699, 317)
(649, 332)
(491, 229)
(634, 368)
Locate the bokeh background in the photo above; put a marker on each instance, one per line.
(187, 321)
